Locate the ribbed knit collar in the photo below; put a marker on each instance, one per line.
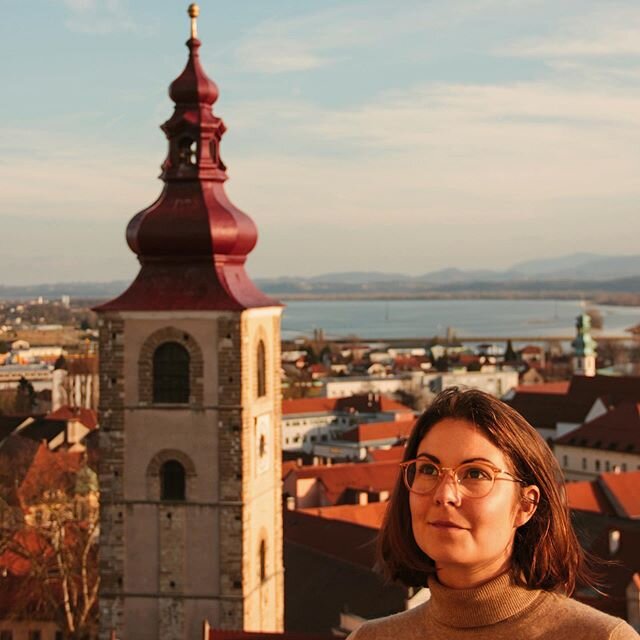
(487, 604)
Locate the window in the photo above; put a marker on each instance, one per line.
(172, 481)
(607, 466)
(623, 466)
(187, 152)
(262, 370)
(6, 634)
(584, 463)
(597, 465)
(171, 373)
(263, 560)
(34, 634)
(565, 461)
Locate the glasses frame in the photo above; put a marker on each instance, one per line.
(453, 471)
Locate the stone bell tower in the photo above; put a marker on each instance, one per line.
(191, 522)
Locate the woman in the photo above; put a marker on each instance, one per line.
(479, 513)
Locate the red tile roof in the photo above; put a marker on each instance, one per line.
(545, 406)
(289, 465)
(49, 470)
(362, 403)
(612, 494)
(345, 541)
(308, 405)
(616, 430)
(623, 489)
(88, 417)
(365, 515)
(367, 476)
(367, 431)
(560, 387)
(541, 410)
(588, 496)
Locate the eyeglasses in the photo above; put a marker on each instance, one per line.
(475, 479)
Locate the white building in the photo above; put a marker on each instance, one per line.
(609, 442)
(497, 383)
(309, 422)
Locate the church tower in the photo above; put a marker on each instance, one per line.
(584, 348)
(190, 402)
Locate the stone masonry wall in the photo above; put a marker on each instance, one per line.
(110, 474)
(230, 354)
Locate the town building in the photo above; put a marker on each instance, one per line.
(307, 422)
(495, 382)
(328, 485)
(336, 547)
(608, 442)
(606, 511)
(190, 402)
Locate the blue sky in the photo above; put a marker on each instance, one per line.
(362, 135)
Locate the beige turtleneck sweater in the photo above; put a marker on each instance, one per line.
(497, 610)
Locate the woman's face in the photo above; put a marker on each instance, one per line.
(469, 539)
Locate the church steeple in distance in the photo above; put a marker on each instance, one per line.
(192, 243)
(584, 347)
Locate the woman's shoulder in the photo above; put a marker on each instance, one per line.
(406, 625)
(579, 618)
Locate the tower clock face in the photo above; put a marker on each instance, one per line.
(263, 443)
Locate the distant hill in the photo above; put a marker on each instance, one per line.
(579, 274)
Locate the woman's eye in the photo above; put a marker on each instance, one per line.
(427, 469)
(476, 473)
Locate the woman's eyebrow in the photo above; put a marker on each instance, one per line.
(437, 461)
(479, 459)
(428, 455)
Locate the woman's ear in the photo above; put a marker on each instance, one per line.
(529, 498)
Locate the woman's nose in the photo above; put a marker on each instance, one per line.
(447, 490)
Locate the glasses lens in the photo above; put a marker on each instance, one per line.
(422, 476)
(475, 479)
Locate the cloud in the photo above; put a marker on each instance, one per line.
(97, 17)
(477, 164)
(604, 32)
(50, 175)
(325, 37)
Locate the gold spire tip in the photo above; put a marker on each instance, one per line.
(194, 12)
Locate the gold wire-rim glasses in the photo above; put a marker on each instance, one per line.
(470, 486)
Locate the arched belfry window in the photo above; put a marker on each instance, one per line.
(171, 373)
(172, 481)
(187, 152)
(261, 370)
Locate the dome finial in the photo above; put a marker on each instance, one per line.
(194, 12)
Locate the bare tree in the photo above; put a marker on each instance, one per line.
(48, 557)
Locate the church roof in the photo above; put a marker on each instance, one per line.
(192, 242)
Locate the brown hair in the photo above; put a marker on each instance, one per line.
(546, 552)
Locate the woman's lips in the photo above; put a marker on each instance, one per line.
(445, 524)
